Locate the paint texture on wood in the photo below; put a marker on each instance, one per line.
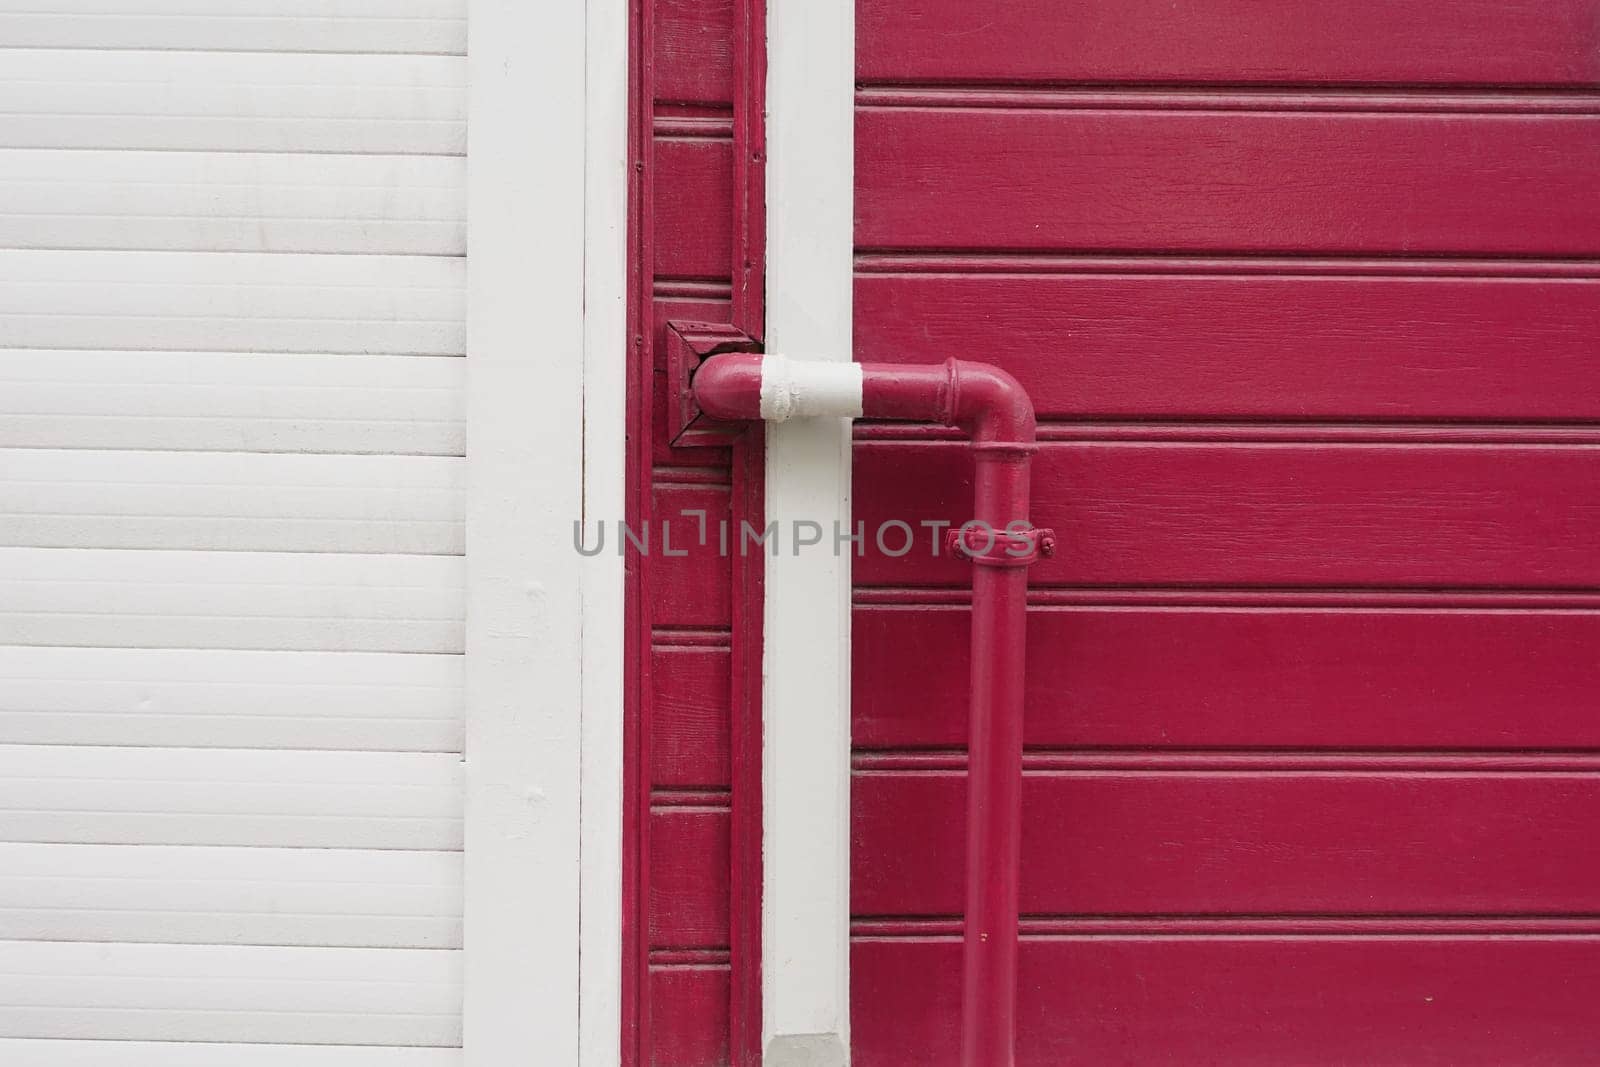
(1222, 181)
(1147, 339)
(1273, 42)
(693, 52)
(1351, 999)
(1264, 515)
(1244, 842)
(1284, 675)
(694, 224)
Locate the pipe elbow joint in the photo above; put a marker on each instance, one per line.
(990, 404)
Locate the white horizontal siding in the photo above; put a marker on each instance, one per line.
(253, 797)
(233, 101)
(185, 698)
(249, 202)
(229, 993)
(235, 896)
(231, 298)
(25, 1052)
(232, 501)
(246, 600)
(232, 302)
(231, 402)
(421, 26)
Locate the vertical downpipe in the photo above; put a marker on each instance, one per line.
(994, 764)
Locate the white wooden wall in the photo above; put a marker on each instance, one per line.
(231, 495)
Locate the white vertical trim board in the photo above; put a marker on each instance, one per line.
(547, 112)
(604, 498)
(806, 700)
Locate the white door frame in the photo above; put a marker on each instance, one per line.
(546, 265)
(805, 900)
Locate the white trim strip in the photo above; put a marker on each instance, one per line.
(543, 633)
(805, 907)
(604, 497)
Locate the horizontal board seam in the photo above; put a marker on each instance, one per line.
(1286, 761)
(1212, 100)
(695, 289)
(693, 128)
(871, 261)
(1267, 432)
(1234, 598)
(1532, 922)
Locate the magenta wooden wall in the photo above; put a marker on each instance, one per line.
(1308, 296)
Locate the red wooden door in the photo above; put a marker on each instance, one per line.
(1308, 298)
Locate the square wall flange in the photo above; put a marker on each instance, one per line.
(688, 345)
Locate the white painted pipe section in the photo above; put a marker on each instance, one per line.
(809, 388)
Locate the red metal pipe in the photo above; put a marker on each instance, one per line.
(995, 411)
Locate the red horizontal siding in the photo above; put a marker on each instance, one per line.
(1147, 344)
(1245, 1001)
(1272, 677)
(1255, 843)
(1203, 181)
(1312, 769)
(1263, 515)
(693, 221)
(1514, 42)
